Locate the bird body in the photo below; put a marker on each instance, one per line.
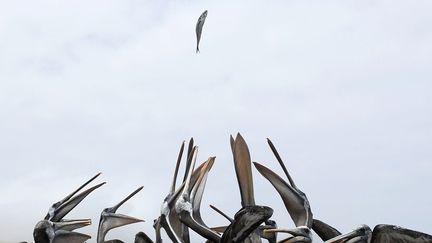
(384, 233)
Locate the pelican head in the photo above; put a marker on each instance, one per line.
(246, 220)
(59, 209)
(294, 199)
(110, 219)
(46, 232)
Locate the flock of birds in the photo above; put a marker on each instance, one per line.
(180, 211)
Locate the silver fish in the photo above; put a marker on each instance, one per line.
(199, 27)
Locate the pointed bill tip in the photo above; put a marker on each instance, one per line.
(257, 165)
(210, 163)
(270, 143)
(100, 184)
(239, 139)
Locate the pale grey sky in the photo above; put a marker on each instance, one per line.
(343, 88)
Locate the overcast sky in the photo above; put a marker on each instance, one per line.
(343, 88)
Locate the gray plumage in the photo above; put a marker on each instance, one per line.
(199, 27)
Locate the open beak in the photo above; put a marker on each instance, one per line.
(361, 232)
(169, 219)
(58, 210)
(51, 210)
(198, 190)
(71, 225)
(184, 207)
(295, 204)
(242, 164)
(110, 219)
(173, 226)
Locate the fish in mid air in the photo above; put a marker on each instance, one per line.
(199, 27)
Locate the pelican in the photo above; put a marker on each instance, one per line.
(109, 219)
(187, 205)
(59, 209)
(242, 165)
(382, 233)
(198, 28)
(243, 169)
(48, 232)
(170, 219)
(244, 223)
(56, 229)
(294, 199)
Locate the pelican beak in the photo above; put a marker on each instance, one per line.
(184, 207)
(361, 232)
(301, 231)
(169, 219)
(157, 226)
(71, 225)
(219, 229)
(270, 236)
(175, 229)
(323, 230)
(198, 190)
(59, 209)
(110, 219)
(177, 168)
(242, 164)
(295, 203)
(165, 224)
(64, 236)
(221, 213)
(245, 222)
